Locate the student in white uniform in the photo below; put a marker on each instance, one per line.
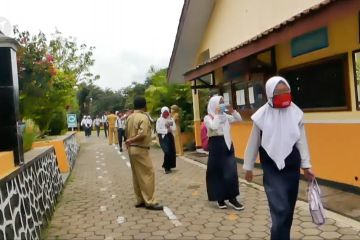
(105, 123)
(221, 174)
(120, 125)
(278, 135)
(82, 124)
(88, 126)
(97, 124)
(165, 127)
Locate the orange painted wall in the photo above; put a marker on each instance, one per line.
(197, 131)
(7, 163)
(59, 151)
(334, 149)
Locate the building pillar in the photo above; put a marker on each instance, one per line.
(197, 120)
(10, 131)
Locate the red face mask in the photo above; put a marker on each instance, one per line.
(282, 100)
(165, 114)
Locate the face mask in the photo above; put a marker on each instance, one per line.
(282, 100)
(222, 107)
(165, 114)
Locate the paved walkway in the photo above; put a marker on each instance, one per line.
(98, 200)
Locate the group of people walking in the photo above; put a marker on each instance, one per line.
(113, 124)
(277, 136)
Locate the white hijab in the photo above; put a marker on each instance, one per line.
(213, 104)
(164, 109)
(279, 126)
(162, 121)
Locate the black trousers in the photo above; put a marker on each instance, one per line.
(98, 130)
(106, 129)
(87, 131)
(281, 188)
(121, 136)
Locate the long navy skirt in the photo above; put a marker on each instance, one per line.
(221, 175)
(281, 187)
(168, 146)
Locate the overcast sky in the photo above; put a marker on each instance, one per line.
(129, 35)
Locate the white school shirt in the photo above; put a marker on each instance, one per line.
(120, 122)
(252, 149)
(213, 124)
(162, 129)
(97, 121)
(104, 119)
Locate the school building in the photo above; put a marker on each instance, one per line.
(235, 46)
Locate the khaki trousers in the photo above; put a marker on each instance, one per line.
(113, 138)
(143, 175)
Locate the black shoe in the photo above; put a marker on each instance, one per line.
(236, 205)
(156, 207)
(140, 205)
(167, 171)
(221, 204)
(120, 149)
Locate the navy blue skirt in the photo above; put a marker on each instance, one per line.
(168, 146)
(221, 175)
(281, 188)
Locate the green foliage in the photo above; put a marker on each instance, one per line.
(48, 74)
(160, 94)
(30, 134)
(94, 101)
(58, 123)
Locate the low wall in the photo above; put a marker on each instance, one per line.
(66, 149)
(28, 195)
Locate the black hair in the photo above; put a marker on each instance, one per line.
(139, 102)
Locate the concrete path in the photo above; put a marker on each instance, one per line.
(98, 203)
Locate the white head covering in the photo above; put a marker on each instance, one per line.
(164, 109)
(213, 104)
(279, 126)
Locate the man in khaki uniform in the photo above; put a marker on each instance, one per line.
(138, 133)
(113, 139)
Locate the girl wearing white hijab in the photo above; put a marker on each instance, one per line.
(278, 135)
(221, 174)
(165, 127)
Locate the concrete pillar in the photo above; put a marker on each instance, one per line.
(10, 132)
(197, 120)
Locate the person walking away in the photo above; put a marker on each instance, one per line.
(88, 125)
(278, 135)
(221, 175)
(105, 123)
(138, 132)
(97, 124)
(120, 126)
(113, 139)
(165, 127)
(82, 124)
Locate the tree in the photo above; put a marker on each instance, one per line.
(160, 94)
(48, 74)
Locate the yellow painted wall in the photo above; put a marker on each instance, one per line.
(334, 149)
(235, 21)
(343, 38)
(197, 133)
(7, 163)
(59, 147)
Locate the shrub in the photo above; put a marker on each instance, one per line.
(58, 123)
(31, 132)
